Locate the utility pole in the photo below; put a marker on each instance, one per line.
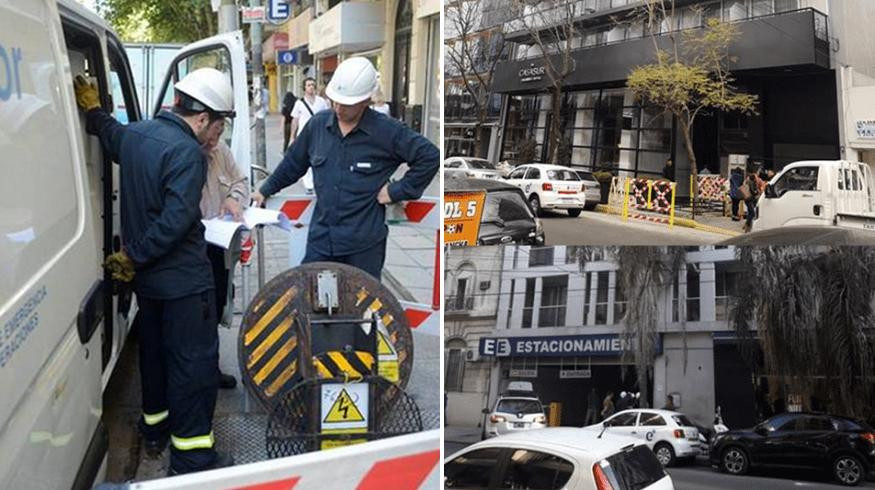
(228, 18)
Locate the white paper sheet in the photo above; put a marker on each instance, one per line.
(258, 216)
(221, 231)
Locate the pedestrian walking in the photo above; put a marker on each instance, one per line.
(302, 111)
(288, 104)
(163, 172)
(669, 403)
(750, 191)
(736, 180)
(607, 405)
(622, 402)
(352, 152)
(592, 407)
(668, 170)
(226, 192)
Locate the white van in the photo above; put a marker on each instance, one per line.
(819, 193)
(62, 321)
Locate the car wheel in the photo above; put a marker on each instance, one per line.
(574, 212)
(535, 203)
(734, 461)
(848, 470)
(664, 454)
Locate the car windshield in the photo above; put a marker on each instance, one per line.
(682, 421)
(480, 164)
(515, 405)
(505, 206)
(633, 469)
(562, 175)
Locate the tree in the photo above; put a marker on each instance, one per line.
(816, 325)
(472, 52)
(690, 73)
(550, 26)
(644, 274)
(160, 21)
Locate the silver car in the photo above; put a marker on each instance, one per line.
(469, 167)
(591, 187)
(514, 414)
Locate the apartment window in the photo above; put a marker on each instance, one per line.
(601, 298)
(571, 254)
(554, 296)
(620, 301)
(510, 302)
(725, 289)
(786, 5)
(529, 303)
(693, 294)
(675, 298)
(455, 369)
(762, 7)
(540, 256)
(463, 302)
(734, 10)
(586, 299)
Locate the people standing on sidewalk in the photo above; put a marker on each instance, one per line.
(592, 407)
(226, 192)
(736, 180)
(751, 191)
(669, 403)
(622, 402)
(607, 405)
(668, 170)
(288, 104)
(353, 151)
(302, 111)
(163, 172)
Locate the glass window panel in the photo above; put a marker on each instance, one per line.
(786, 5)
(659, 140)
(734, 10)
(762, 7)
(651, 163)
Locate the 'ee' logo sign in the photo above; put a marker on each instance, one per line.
(650, 435)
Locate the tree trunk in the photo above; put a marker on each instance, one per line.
(555, 137)
(691, 154)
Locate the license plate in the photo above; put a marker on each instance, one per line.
(519, 425)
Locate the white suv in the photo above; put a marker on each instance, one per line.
(514, 413)
(550, 187)
(671, 435)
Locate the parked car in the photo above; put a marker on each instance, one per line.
(506, 217)
(550, 187)
(505, 167)
(671, 435)
(591, 187)
(513, 412)
(554, 458)
(843, 446)
(469, 167)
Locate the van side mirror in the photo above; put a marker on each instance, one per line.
(770, 192)
(485, 411)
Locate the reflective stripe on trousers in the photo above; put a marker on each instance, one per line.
(189, 443)
(155, 418)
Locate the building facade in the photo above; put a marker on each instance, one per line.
(400, 37)
(795, 55)
(558, 323)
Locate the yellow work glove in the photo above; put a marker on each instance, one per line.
(86, 93)
(120, 266)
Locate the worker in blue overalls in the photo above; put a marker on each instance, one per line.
(353, 150)
(163, 168)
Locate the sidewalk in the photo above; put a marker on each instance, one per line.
(711, 222)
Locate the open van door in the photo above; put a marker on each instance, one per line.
(225, 53)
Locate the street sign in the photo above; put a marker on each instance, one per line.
(253, 15)
(278, 11)
(575, 373)
(287, 57)
(524, 373)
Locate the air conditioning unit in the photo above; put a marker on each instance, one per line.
(472, 356)
(484, 285)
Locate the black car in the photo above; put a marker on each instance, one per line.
(507, 217)
(842, 446)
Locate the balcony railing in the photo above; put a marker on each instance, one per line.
(459, 303)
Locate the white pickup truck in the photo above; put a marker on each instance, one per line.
(819, 193)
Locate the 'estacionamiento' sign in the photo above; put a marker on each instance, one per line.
(556, 346)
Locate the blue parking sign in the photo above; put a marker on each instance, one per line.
(288, 57)
(277, 10)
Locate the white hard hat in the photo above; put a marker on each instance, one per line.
(623, 394)
(209, 89)
(354, 80)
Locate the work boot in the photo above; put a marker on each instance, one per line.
(223, 460)
(226, 381)
(154, 443)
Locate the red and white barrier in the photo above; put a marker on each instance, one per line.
(422, 318)
(408, 462)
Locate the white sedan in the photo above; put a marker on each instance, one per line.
(550, 187)
(560, 457)
(671, 435)
(473, 168)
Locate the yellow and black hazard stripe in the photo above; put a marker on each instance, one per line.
(348, 365)
(272, 345)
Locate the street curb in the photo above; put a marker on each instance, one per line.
(684, 222)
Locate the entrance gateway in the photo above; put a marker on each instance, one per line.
(564, 369)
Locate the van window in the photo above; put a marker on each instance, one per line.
(40, 210)
(124, 100)
(797, 179)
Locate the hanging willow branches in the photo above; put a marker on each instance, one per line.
(812, 313)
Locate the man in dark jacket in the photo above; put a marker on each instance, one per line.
(288, 103)
(163, 169)
(353, 151)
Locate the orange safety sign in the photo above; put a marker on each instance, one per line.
(462, 213)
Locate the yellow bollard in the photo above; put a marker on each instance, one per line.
(555, 417)
(649, 194)
(626, 201)
(671, 211)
